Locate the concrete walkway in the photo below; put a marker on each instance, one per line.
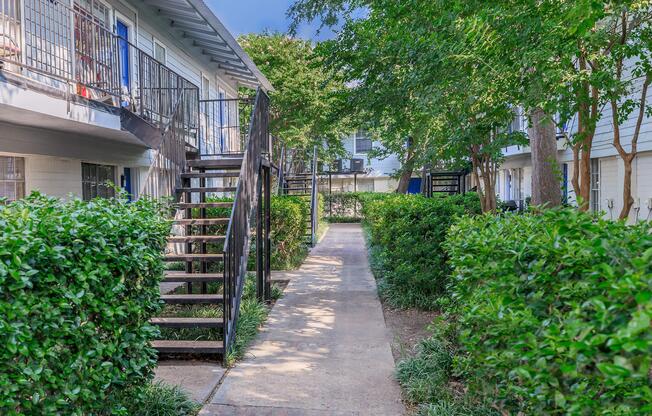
(325, 349)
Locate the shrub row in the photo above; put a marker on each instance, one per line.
(78, 284)
(552, 312)
(406, 235)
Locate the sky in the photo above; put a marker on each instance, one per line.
(256, 16)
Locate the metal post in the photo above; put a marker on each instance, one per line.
(260, 282)
(268, 239)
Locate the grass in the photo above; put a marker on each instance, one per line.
(156, 399)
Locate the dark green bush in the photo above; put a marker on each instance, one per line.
(78, 283)
(407, 232)
(289, 231)
(553, 312)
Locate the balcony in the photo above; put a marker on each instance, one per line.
(72, 51)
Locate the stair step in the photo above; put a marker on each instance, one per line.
(299, 194)
(194, 257)
(196, 239)
(192, 299)
(188, 322)
(206, 189)
(202, 221)
(226, 163)
(183, 277)
(186, 205)
(297, 189)
(190, 175)
(196, 347)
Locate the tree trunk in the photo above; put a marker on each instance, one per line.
(546, 189)
(628, 200)
(407, 169)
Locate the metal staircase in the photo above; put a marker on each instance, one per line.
(305, 185)
(221, 197)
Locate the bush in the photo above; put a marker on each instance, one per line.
(157, 399)
(289, 230)
(553, 312)
(407, 232)
(78, 283)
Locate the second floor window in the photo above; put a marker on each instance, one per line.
(159, 53)
(97, 181)
(12, 177)
(363, 143)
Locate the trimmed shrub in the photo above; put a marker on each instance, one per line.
(407, 233)
(289, 230)
(78, 283)
(553, 312)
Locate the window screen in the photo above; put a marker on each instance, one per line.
(12, 177)
(97, 181)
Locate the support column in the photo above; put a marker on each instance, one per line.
(260, 277)
(267, 237)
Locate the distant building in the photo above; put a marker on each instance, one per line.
(360, 172)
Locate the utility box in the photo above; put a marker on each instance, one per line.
(357, 165)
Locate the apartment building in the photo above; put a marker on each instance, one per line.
(360, 171)
(514, 182)
(99, 90)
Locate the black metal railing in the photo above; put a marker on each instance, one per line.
(224, 128)
(169, 160)
(78, 48)
(314, 201)
(236, 246)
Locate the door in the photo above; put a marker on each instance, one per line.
(127, 183)
(125, 62)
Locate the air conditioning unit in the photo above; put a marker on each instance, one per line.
(357, 165)
(337, 165)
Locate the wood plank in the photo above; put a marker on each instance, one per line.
(183, 277)
(196, 239)
(192, 299)
(203, 190)
(194, 257)
(196, 347)
(202, 221)
(188, 322)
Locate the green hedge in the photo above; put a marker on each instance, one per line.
(406, 235)
(79, 282)
(289, 230)
(552, 312)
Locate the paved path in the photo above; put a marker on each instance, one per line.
(325, 349)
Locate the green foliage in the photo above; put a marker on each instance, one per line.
(78, 283)
(289, 230)
(410, 231)
(304, 92)
(157, 399)
(344, 206)
(553, 312)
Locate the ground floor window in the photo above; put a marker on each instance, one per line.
(97, 181)
(12, 177)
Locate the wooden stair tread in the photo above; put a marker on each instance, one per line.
(206, 189)
(198, 347)
(188, 205)
(225, 163)
(194, 257)
(196, 238)
(195, 298)
(202, 221)
(190, 175)
(175, 276)
(174, 322)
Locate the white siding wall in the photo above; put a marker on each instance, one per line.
(53, 176)
(379, 167)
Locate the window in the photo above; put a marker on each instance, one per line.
(97, 181)
(160, 54)
(595, 185)
(205, 88)
(12, 177)
(363, 143)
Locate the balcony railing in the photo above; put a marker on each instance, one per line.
(221, 129)
(72, 45)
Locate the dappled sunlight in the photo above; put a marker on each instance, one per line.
(325, 345)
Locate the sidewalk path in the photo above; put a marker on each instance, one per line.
(325, 349)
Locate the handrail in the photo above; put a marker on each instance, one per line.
(281, 170)
(170, 157)
(314, 201)
(236, 246)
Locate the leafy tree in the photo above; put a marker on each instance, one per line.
(303, 96)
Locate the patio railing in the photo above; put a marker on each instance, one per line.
(51, 38)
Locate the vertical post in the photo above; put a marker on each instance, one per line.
(260, 277)
(268, 239)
